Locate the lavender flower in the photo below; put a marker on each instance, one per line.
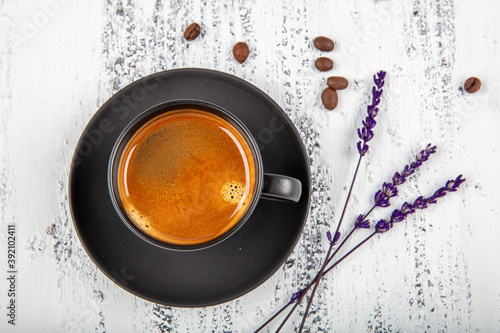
(389, 190)
(438, 194)
(296, 296)
(420, 203)
(380, 80)
(382, 226)
(332, 239)
(451, 186)
(361, 223)
(399, 215)
(407, 209)
(366, 133)
(408, 170)
(381, 199)
(397, 179)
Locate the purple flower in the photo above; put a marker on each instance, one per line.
(430, 149)
(376, 96)
(372, 111)
(366, 133)
(449, 186)
(415, 164)
(369, 123)
(407, 209)
(420, 203)
(362, 148)
(390, 190)
(431, 200)
(332, 239)
(361, 222)
(397, 216)
(336, 238)
(422, 156)
(379, 81)
(382, 226)
(397, 179)
(296, 296)
(459, 181)
(452, 185)
(438, 194)
(407, 171)
(381, 199)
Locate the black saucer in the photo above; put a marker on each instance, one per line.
(204, 277)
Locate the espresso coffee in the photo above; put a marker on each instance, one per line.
(186, 177)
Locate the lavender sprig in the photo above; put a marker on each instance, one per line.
(406, 209)
(382, 199)
(382, 226)
(399, 215)
(389, 190)
(366, 132)
(362, 222)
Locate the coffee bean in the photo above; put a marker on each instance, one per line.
(330, 98)
(192, 31)
(241, 52)
(472, 85)
(324, 64)
(323, 43)
(337, 82)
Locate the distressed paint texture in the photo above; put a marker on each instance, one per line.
(438, 272)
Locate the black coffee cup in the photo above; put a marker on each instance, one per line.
(267, 186)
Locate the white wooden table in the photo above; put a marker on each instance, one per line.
(437, 272)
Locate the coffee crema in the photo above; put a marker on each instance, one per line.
(186, 177)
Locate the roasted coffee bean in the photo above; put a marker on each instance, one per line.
(192, 31)
(323, 43)
(337, 82)
(472, 85)
(324, 64)
(241, 52)
(330, 98)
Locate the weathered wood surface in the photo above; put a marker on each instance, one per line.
(61, 60)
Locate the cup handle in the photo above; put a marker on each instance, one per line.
(282, 188)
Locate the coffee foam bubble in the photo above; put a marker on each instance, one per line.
(142, 221)
(233, 192)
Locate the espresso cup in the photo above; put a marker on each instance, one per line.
(186, 175)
